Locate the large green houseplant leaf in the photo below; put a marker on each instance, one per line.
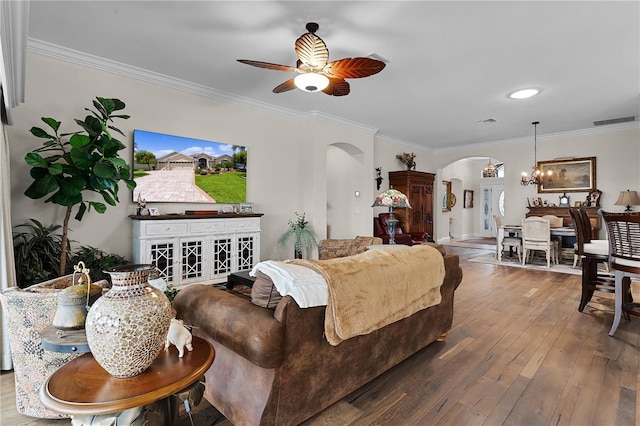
(70, 166)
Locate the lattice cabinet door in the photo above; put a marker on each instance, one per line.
(247, 250)
(193, 255)
(163, 254)
(197, 250)
(221, 256)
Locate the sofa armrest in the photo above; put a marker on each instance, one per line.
(249, 330)
(453, 271)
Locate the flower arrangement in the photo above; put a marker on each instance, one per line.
(408, 160)
(303, 235)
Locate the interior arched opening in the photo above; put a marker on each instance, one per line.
(477, 183)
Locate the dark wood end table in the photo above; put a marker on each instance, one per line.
(241, 278)
(82, 387)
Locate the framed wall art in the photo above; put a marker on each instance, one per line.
(207, 171)
(468, 199)
(447, 196)
(571, 175)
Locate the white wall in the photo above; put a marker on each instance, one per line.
(458, 223)
(286, 155)
(385, 156)
(616, 148)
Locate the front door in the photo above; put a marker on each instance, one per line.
(492, 203)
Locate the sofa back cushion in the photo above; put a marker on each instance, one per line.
(333, 248)
(264, 293)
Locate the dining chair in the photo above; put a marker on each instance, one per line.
(591, 253)
(588, 234)
(536, 235)
(555, 222)
(508, 241)
(624, 260)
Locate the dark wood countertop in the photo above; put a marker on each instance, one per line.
(195, 216)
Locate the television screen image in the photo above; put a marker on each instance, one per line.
(175, 169)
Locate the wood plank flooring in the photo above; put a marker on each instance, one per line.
(519, 353)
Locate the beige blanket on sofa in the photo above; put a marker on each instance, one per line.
(370, 290)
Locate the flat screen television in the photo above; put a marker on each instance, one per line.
(175, 169)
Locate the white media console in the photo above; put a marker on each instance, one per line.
(188, 249)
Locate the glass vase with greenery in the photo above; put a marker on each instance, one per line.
(302, 233)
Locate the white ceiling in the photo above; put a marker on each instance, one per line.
(450, 64)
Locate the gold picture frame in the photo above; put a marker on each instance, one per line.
(447, 196)
(571, 175)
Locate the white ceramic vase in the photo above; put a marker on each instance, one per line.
(127, 327)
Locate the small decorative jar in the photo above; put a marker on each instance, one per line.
(127, 327)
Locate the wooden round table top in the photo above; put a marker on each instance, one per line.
(83, 387)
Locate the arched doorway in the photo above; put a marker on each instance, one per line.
(469, 174)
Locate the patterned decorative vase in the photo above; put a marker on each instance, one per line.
(127, 327)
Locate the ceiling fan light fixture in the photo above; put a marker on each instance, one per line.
(311, 82)
(315, 72)
(524, 93)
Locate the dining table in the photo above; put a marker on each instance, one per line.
(516, 231)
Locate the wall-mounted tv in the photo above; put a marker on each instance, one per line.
(175, 169)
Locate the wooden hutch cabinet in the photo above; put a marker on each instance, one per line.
(418, 187)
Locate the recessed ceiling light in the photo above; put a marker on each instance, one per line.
(524, 93)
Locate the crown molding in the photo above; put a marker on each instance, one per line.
(383, 138)
(332, 119)
(581, 132)
(91, 61)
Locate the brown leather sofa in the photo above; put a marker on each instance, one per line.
(381, 230)
(275, 367)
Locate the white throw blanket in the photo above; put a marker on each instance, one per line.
(307, 287)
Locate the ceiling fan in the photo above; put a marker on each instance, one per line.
(315, 73)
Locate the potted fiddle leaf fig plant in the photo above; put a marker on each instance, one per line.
(71, 166)
(302, 233)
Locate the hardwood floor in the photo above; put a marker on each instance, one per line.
(519, 353)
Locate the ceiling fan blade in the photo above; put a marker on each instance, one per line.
(337, 87)
(266, 65)
(312, 51)
(285, 87)
(353, 68)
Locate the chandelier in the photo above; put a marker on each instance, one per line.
(536, 177)
(490, 170)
